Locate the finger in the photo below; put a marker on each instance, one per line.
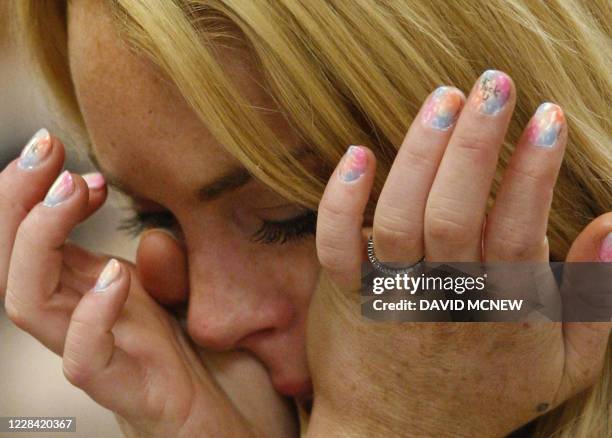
(36, 261)
(340, 217)
(162, 267)
(594, 243)
(91, 361)
(586, 343)
(400, 211)
(84, 261)
(457, 202)
(516, 226)
(23, 184)
(97, 192)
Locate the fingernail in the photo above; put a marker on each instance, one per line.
(354, 164)
(442, 108)
(109, 274)
(94, 180)
(61, 190)
(492, 92)
(545, 125)
(36, 150)
(605, 251)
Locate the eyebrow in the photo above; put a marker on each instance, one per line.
(231, 180)
(227, 182)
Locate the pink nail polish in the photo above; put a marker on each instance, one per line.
(545, 125)
(354, 164)
(492, 92)
(442, 108)
(61, 190)
(95, 180)
(605, 250)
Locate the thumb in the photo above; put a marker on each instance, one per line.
(586, 343)
(162, 267)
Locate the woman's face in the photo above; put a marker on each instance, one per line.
(243, 293)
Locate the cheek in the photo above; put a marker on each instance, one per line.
(264, 272)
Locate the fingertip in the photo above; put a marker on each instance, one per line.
(162, 267)
(493, 93)
(594, 243)
(357, 161)
(97, 189)
(94, 180)
(110, 275)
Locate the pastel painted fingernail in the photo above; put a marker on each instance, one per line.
(61, 190)
(109, 274)
(605, 250)
(492, 92)
(442, 108)
(36, 150)
(545, 125)
(94, 180)
(354, 164)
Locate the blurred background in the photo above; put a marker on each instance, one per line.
(31, 378)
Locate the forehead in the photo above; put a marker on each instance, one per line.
(141, 127)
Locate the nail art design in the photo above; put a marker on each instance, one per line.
(61, 190)
(94, 180)
(353, 164)
(605, 251)
(36, 150)
(545, 125)
(442, 108)
(109, 274)
(492, 92)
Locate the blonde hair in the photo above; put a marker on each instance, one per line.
(356, 73)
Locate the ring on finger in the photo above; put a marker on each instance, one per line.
(387, 269)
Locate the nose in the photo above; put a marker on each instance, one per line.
(228, 304)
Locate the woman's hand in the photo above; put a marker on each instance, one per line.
(446, 379)
(117, 343)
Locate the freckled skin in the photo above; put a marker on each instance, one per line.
(243, 294)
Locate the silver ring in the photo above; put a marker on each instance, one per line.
(385, 269)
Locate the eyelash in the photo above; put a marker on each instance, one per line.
(288, 230)
(270, 232)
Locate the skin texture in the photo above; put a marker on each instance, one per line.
(248, 296)
(131, 115)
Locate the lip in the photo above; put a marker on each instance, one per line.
(302, 391)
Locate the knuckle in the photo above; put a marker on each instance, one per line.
(11, 204)
(332, 254)
(445, 229)
(28, 232)
(477, 148)
(470, 142)
(332, 227)
(75, 364)
(333, 213)
(15, 312)
(506, 248)
(395, 230)
(536, 176)
(416, 159)
(393, 237)
(76, 372)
